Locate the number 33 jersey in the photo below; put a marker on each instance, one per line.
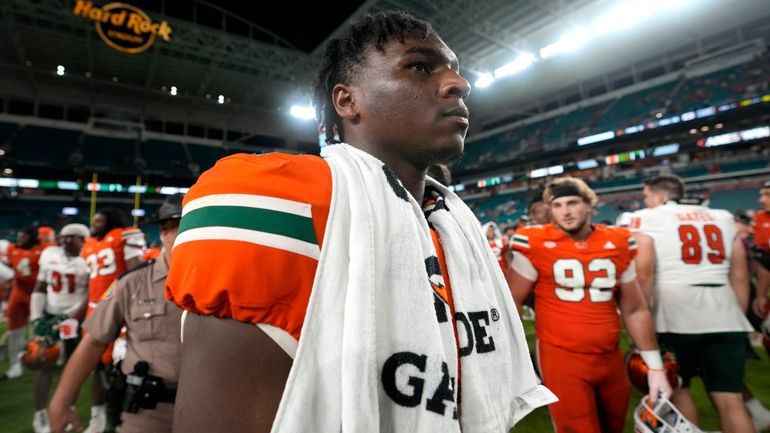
(575, 283)
(107, 257)
(66, 279)
(693, 248)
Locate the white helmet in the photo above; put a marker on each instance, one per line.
(662, 417)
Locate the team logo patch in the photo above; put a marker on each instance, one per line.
(108, 293)
(609, 246)
(549, 244)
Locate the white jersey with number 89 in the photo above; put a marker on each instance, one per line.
(693, 248)
(66, 279)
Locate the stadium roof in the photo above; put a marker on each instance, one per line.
(260, 61)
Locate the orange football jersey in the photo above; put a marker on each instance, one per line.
(250, 238)
(575, 286)
(762, 229)
(25, 264)
(106, 257)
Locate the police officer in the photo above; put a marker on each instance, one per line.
(137, 299)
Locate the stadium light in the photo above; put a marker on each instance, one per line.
(521, 63)
(304, 112)
(173, 90)
(221, 99)
(60, 70)
(568, 42)
(630, 12)
(484, 80)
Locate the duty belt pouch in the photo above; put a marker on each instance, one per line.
(115, 394)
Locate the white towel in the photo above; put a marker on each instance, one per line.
(378, 352)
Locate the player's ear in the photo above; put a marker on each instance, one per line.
(345, 102)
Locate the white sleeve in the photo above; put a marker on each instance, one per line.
(42, 273)
(523, 266)
(134, 245)
(629, 274)
(6, 273)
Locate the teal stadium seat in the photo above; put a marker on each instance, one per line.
(42, 146)
(165, 158)
(205, 156)
(107, 153)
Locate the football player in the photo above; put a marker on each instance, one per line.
(581, 274)
(61, 293)
(498, 243)
(23, 258)
(537, 211)
(694, 267)
(762, 241)
(113, 249)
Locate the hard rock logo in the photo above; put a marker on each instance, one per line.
(122, 26)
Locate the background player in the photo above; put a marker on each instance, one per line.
(575, 268)
(113, 249)
(61, 292)
(691, 258)
(23, 258)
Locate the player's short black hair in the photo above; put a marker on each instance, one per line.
(343, 57)
(535, 200)
(670, 184)
(115, 218)
(30, 231)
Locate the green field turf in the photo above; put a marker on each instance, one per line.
(16, 405)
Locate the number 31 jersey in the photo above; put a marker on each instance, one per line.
(693, 248)
(66, 279)
(575, 283)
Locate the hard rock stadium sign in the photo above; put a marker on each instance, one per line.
(122, 26)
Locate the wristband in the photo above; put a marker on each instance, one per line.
(652, 358)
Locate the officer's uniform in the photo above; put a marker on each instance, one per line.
(138, 300)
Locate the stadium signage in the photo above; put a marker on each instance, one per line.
(122, 26)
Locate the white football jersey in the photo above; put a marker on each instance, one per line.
(693, 248)
(66, 279)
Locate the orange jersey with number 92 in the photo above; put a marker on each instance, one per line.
(575, 305)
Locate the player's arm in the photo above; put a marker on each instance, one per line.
(645, 265)
(521, 278)
(739, 274)
(761, 302)
(222, 358)
(37, 300)
(78, 368)
(638, 322)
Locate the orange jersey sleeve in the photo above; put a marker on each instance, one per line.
(762, 230)
(575, 306)
(250, 238)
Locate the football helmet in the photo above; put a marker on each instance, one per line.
(636, 370)
(662, 417)
(40, 353)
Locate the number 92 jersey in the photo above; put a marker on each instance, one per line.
(575, 283)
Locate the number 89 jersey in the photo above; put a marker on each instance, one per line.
(693, 248)
(575, 283)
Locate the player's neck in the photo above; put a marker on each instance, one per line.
(581, 234)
